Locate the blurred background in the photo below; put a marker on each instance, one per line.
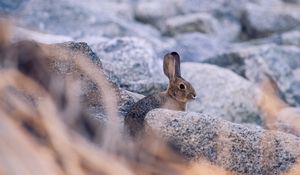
(241, 56)
(139, 32)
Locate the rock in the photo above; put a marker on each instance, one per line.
(8, 6)
(235, 147)
(287, 38)
(291, 1)
(197, 47)
(172, 22)
(228, 30)
(127, 99)
(90, 97)
(80, 47)
(199, 22)
(92, 100)
(63, 65)
(234, 58)
(215, 7)
(282, 63)
(222, 29)
(222, 93)
(276, 19)
(221, 8)
(290, 38)
(165, 46)
(120, 8)
(78, 19)
(20, 34)
(154, 12)
(132, 64)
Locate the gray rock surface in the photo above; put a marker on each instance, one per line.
(235, 147)
(127, 99)
(197, 47)
(8, 6)
(154, 12)
(222, 29)
(235, 56)
(91, 98)
(132, 64)
(172, 18)
(79, 19)
(283, 65)
(221, 93)
(281, 62)
(214, 7)
(83, 48)
(199, 22)
(228, 30)
(287, 38)
(292, 1)
(19, 34)
(261, 22)
(222, 8)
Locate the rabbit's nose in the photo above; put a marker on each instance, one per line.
(194, 96)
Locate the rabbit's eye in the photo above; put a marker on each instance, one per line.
(182, 86)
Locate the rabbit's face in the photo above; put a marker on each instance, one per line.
(181, 90)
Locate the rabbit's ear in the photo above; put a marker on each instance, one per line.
(172, 65)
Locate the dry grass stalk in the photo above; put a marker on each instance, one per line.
(277, 115)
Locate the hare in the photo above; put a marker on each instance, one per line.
(178, 93)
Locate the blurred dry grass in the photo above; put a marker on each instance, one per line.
(38, 109)
(277, 115)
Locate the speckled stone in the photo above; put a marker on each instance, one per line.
(276, 19)
(221, 93)
(206, 47)
(90, 97)
(78, 19)
(200, 22)
(281, 62)
(84, 48)
(222, 29)
(131, 63)
(235, 147)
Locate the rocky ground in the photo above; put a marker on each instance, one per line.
(225, 46)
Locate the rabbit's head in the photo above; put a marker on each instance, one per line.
(178, 88)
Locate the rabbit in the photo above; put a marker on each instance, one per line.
(178, 93)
